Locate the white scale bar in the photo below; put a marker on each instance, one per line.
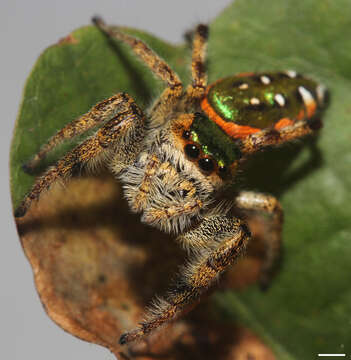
(331, 354)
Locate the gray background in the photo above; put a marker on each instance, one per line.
(26, 29)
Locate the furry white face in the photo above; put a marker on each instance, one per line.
(165, 186)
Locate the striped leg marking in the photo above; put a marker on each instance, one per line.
(224, 247)
(91, 153)
(158, 66)
(198, 69)
(100, 113)
(272, 137)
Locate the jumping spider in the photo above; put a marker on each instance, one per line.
(175, 160)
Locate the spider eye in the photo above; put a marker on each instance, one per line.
(222, 169)
(206, 164)
(192, 151)
(186, 134)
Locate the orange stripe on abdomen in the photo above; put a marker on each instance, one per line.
(236, 131)
(282, 123)
(230, 128)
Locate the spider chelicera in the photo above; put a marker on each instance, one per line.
(175, 159)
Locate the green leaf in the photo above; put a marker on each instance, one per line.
(307, 310)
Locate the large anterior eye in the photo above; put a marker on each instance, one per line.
(192, 151)
(206, 164)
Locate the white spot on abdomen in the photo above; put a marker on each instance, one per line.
(280, 100)
(321, 91)
(265, 79)
(254, 101)
(244, 86)
(306, 95)
(291, 73)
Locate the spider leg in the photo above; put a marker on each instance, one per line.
(101, 112)
(226, 239)
(249, 200)
(140, 200)
(153, 61)
(120, 136)
(197, 88)
(269, 137)
(158, 66)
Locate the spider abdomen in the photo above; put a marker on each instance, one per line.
(247, 103)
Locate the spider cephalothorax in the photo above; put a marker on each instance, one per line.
(174, 160)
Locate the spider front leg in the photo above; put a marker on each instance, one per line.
(273, 137)
(224, 240)
(121, 138)
(249, 200)
(100, 113)
(159, 67)
(197, 88)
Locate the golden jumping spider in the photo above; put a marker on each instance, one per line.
(174, 159)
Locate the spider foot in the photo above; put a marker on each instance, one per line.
(97, 20)
(131, 336)
(20, 211)
(23, 208)
(29, 167)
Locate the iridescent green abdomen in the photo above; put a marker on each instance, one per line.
(237, 106)
(247, 103)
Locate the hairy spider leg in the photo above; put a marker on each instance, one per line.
(250, 200)
(226, 238)
(196, 90)
(140, 200)
(273, 137)
(152, 60)
(124, 130)
(159, 67)
(100, 113)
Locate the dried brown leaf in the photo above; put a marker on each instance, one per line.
(97, 267)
